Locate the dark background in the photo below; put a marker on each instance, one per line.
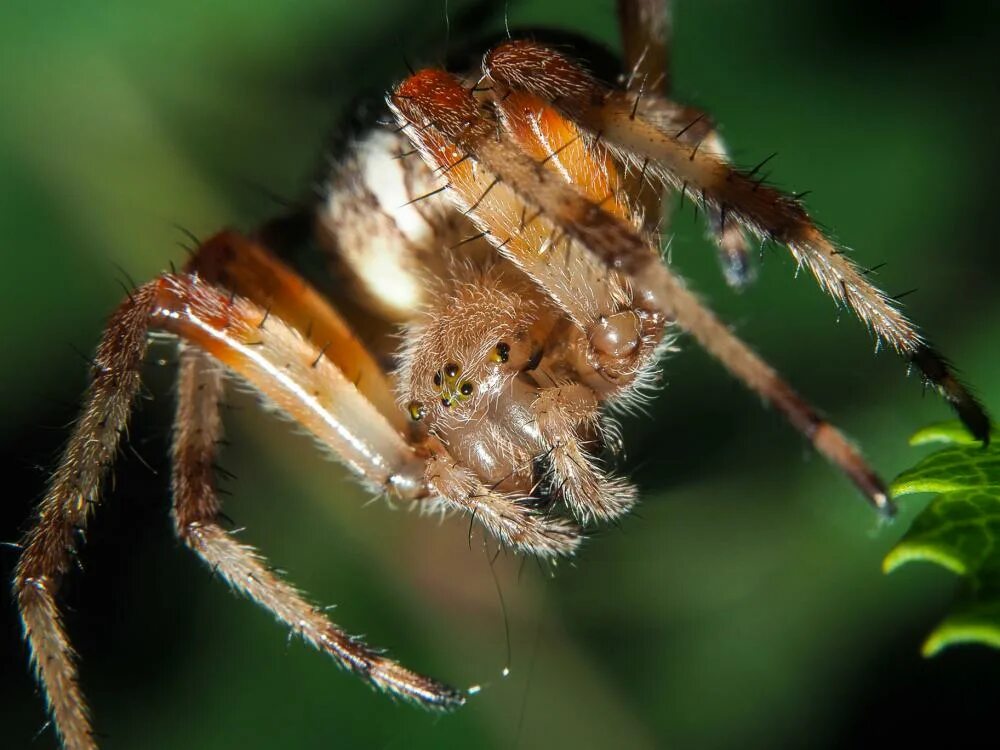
(743, 605)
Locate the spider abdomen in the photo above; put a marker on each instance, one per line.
(384, 221)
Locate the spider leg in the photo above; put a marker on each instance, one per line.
(589, 493)
(294, 375)
(245, 267)
(622, 311)
(198, 428)
(646, 31)
(646, 28)
(757, 375)
(697, 129)
(631, 129)
(254, 274)
(73, 493)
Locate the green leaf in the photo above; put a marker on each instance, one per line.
(951, 432)
(959, 530)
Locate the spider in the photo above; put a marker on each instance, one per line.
(509, 219)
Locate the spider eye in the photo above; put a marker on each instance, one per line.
(417, 410)
(446, 402)
(437, 378)
(502, 353)
(451, 370)
(466, 388)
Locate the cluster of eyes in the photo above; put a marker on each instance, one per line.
(454, 389)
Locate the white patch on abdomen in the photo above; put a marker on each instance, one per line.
(386, 176)
(383, 219)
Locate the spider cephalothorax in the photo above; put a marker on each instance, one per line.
(490, 371)
(462, 352)
(510, 223)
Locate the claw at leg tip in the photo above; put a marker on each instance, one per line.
(885, 506)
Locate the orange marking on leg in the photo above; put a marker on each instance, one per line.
(241, 265)
(436, 97)
(576, 280)
(549, 137)
(420, 101)
(285, 369)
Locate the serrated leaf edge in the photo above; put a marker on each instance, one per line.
(915, 486)
(945, 433)
(905, 552)
(947, 634)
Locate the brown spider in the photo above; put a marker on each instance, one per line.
(521, 255)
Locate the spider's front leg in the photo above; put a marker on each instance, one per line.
(215, 322)
(633, 129)
(600, 271)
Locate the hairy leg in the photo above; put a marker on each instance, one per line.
(246, 267)
(631, 127)
(757, 375)
(75, 491)
(272, 357)
(695, 128)
(294, 376)
(562, 413)
(646, 30)
(198, 429)
(623, 307)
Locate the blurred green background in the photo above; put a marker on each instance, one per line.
(743, 605)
